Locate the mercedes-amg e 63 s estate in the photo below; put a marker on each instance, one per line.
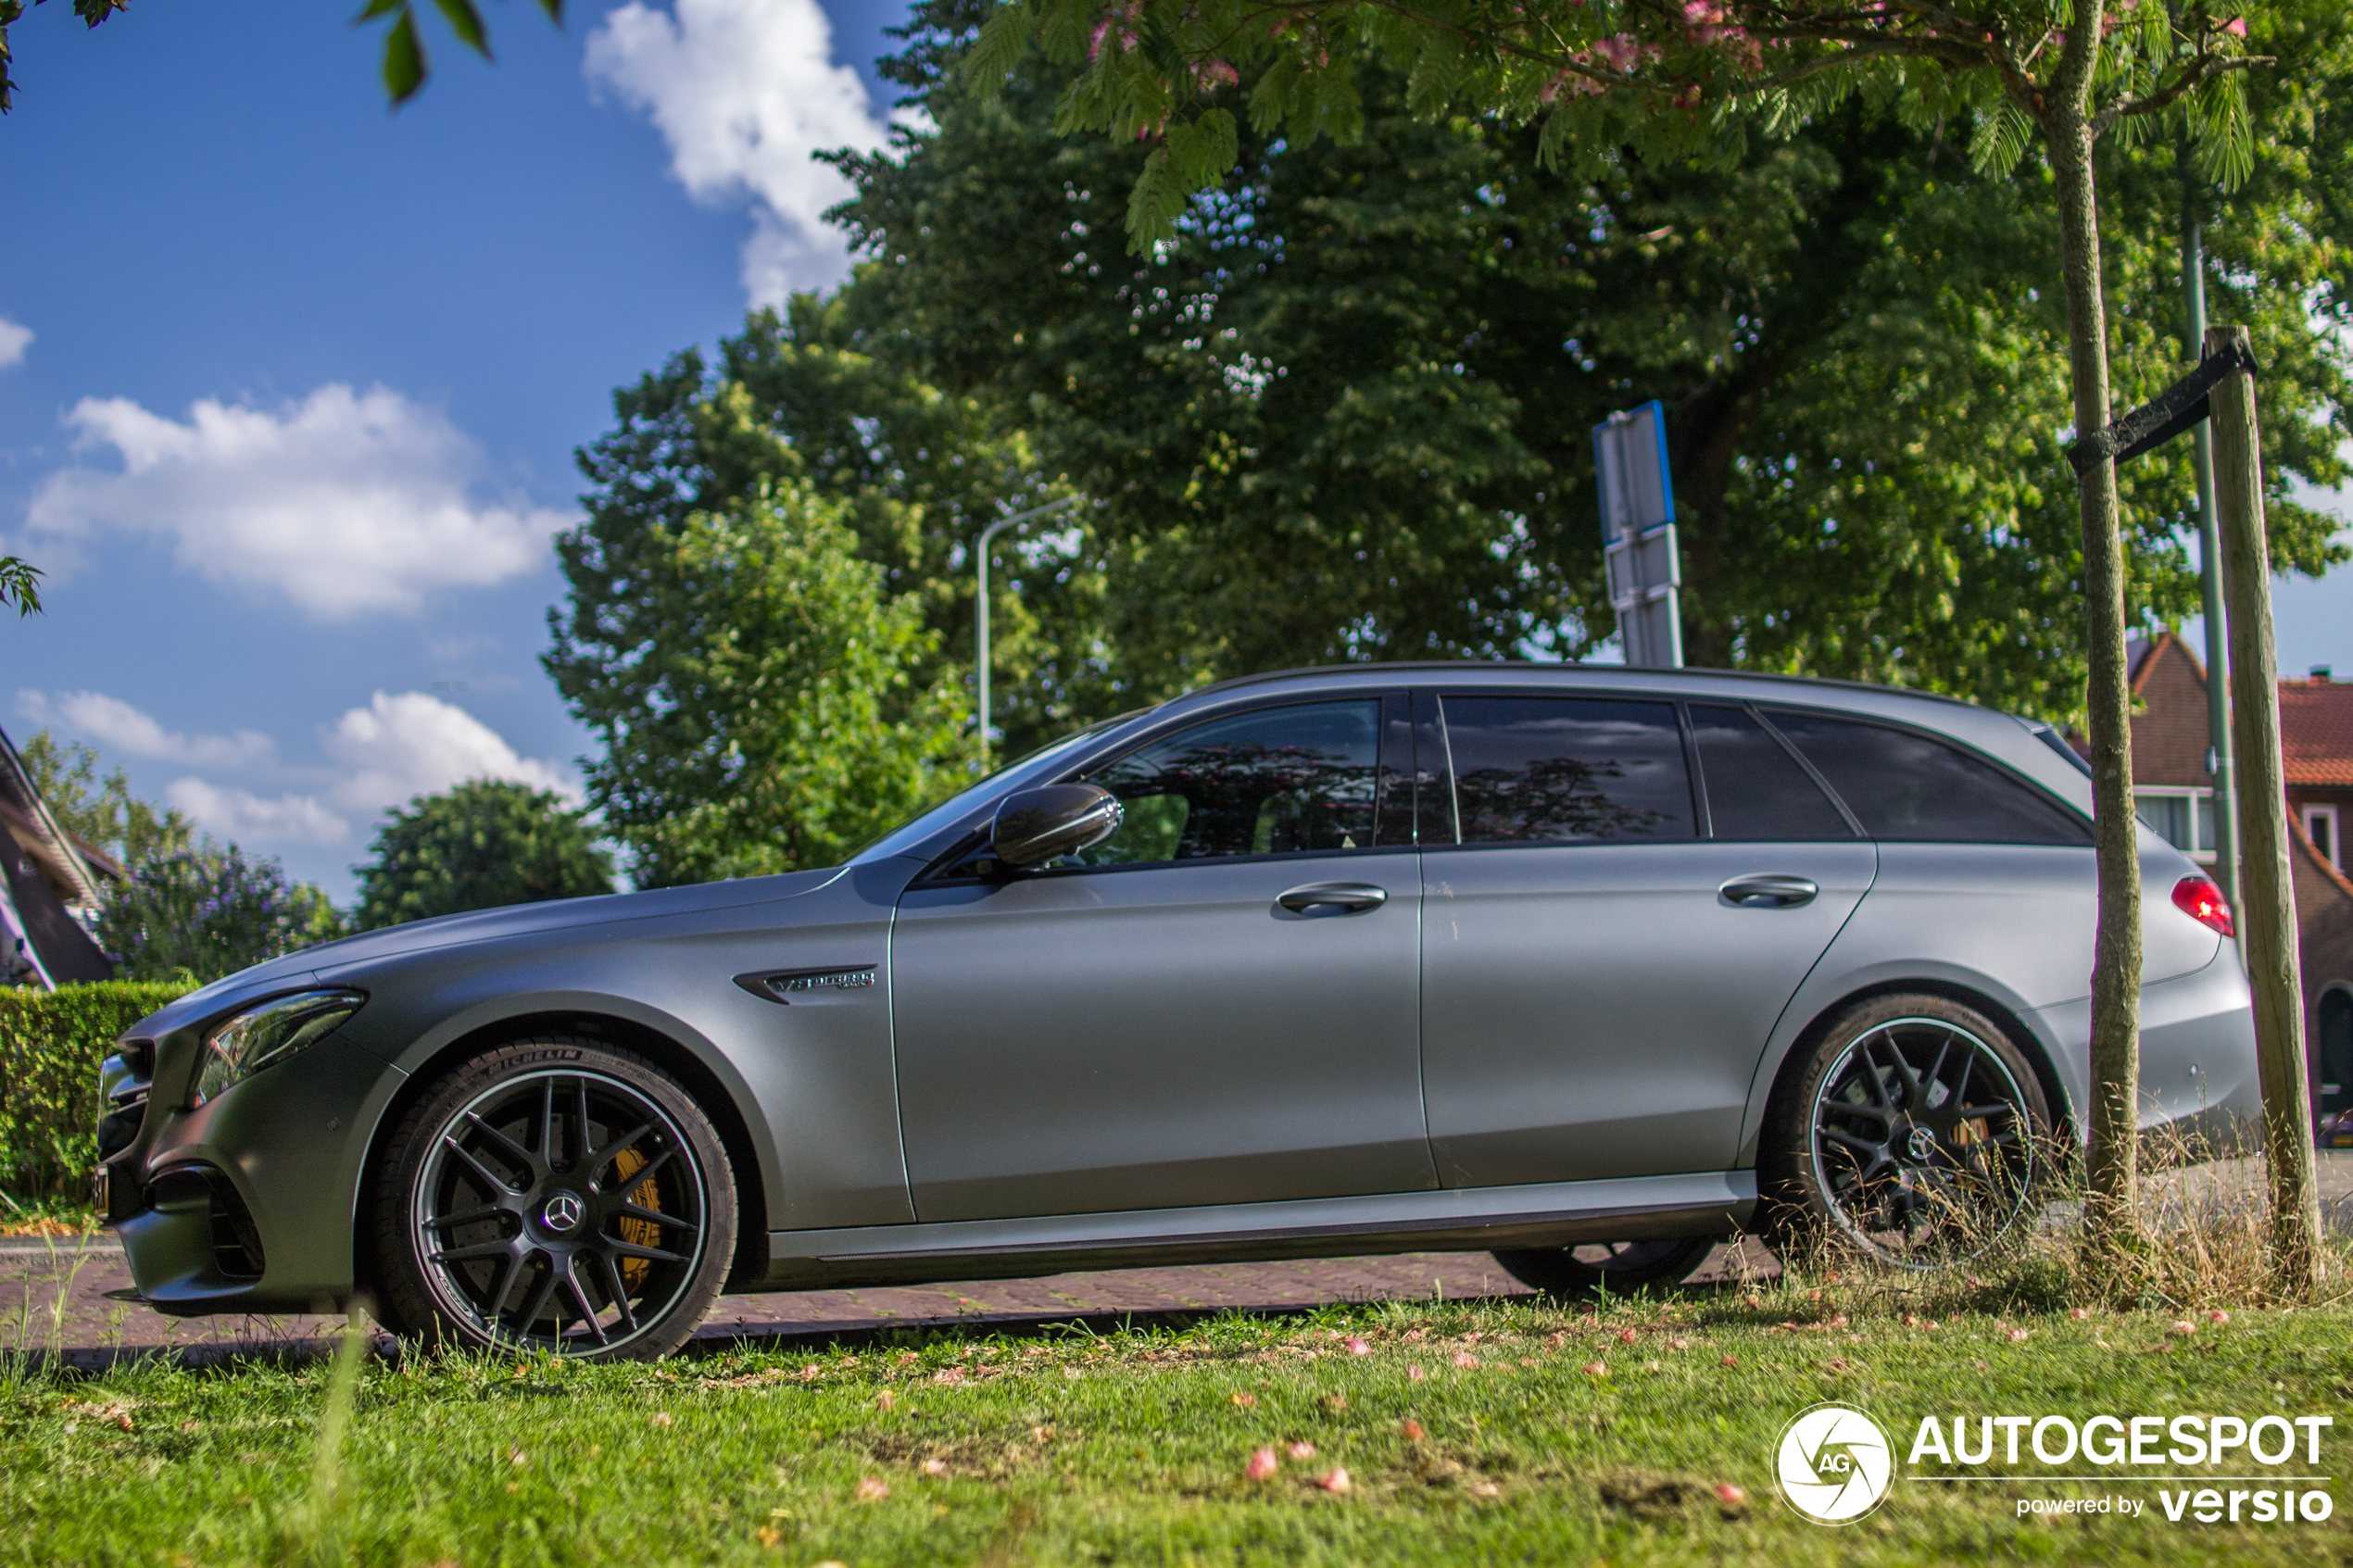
(1590, 967)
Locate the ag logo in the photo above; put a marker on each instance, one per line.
(1834, 1463)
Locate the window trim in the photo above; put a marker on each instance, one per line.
(1846, 813)
(2041, 791)
(2316, 810)
(1432, 718)
(935, 873)
(2197, 795)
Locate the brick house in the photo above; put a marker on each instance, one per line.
(2176, 798)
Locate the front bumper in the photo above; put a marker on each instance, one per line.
(249, 1202)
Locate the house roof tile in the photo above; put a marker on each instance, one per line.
(2316, 732)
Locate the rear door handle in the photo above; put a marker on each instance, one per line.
(1767, 892)
(1349, 898)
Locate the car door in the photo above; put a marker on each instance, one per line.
(1601, 964)
(1217, 1005)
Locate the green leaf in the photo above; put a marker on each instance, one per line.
(404, 58)
(1152, 204)
(21, 585)
(2000, 138)
(555, 9)
(998, 48)
(465, 22)
(1203, 151)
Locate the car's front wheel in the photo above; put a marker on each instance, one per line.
(557, 1194)
(1912, 1133)
(1607, 1268)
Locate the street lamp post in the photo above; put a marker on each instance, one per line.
(987, 535)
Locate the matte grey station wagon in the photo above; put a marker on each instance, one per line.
(1589, 967)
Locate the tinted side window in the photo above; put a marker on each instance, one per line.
(1905, 787)
(1565, 770)
(1754, 788)
(1275, 782)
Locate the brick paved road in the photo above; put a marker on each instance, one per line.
(55, 1296)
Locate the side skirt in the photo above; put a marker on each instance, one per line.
(1463, 1219)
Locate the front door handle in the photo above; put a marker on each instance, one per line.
(1767, 892)
(1349, 898)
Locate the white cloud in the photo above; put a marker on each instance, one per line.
(13, 339)
(744, 91)
(113, 722)
(412, 744)
(395, 748)
(345, 502)
(244, 818)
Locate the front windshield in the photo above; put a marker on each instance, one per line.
(1045, 759)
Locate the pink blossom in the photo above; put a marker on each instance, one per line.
(1621, 52)
(1262, 1464)
(1336, 1482)
(2235, 27)
(1303, 1450)
(1358, 1348)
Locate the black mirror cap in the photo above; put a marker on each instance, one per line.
(1034, 826)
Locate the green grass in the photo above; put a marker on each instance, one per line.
(1131, 1449)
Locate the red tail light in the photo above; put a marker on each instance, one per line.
(2198, 897)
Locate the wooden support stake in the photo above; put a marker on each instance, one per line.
(2267, 898)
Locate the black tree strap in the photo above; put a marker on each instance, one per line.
(2180, 407)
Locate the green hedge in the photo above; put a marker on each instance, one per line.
(51, 1044)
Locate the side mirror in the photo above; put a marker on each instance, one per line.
(1034, 826)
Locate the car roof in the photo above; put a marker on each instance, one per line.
(1576, 673)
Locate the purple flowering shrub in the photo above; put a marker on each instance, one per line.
(201, 913)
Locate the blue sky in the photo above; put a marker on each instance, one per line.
(295, 417)
(306, 375)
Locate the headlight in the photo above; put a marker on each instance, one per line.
(267, 1035)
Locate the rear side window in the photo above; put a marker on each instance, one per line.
(1566, 771)
(1908, 788)
(1755, 789)
(1279, 781)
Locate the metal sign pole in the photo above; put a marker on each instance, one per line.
(1639, 553)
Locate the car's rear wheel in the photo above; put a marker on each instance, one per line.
(1608, 1268)
(558, 1195)
(1913, 1134)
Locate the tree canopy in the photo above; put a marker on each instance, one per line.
(798, 399)
(1342, 412)
(477, 845)
(764, 702)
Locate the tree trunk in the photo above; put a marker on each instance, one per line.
(2267, 900)
(2109, 1217)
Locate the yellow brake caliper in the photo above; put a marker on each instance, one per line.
(637, 1233)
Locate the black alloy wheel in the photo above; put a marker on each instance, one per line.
(1913, 1134)
(556, 1196)
(1607, 1268)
